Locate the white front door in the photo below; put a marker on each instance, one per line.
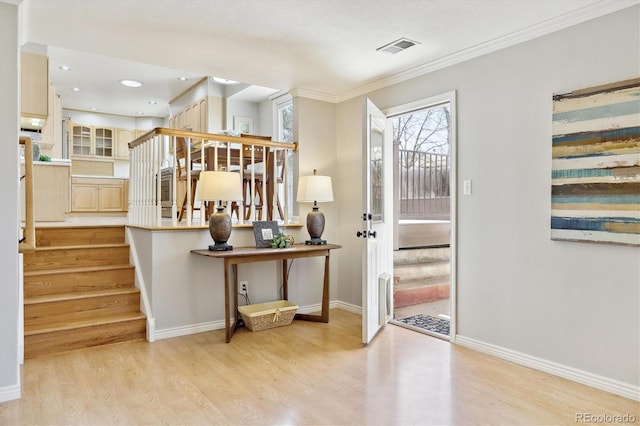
(377, 222)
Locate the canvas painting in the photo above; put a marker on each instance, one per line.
(595, 192)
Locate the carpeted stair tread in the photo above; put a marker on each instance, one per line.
(424, 282)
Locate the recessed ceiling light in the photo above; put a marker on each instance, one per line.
(140, 113)
(225, 81)
(64, 68)
(130, 83)
(183, 78)
(75, 89)
(152, 102)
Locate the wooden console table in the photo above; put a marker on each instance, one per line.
(240, 255)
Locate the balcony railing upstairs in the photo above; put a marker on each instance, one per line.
(165, 165)
(424, 185)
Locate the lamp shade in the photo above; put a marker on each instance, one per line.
(314, 188)
(219, 186)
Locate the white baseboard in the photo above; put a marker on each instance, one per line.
(188, 329)
(151, 330)
(9, 393)
(309, 309)
(599, 382)
(355, 309)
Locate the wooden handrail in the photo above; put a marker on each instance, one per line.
(157, 150)
(211, 137)
(29, 237)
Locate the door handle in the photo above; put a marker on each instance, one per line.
(366, 234)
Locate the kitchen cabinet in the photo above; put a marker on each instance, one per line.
(90, 194)
(196, 117)
(123, 137)
(50, 190)
(34, 85)
(52, 131)
(91, 141)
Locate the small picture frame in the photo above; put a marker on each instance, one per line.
(243, 124)
(264, 231)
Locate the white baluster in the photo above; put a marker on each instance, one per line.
(174, 184)
(158, 182)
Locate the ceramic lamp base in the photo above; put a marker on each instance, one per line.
(220, 247)
(220, 230)
(315, 227)
(315, 242)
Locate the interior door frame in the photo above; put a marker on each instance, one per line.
(447, 97)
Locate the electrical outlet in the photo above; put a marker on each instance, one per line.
(244, 287)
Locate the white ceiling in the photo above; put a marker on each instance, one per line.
(323, 48)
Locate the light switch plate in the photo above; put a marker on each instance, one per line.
(466, 188)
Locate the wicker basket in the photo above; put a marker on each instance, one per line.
(263, 316)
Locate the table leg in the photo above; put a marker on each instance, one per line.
(227, 320)
(324, 314)
(235, 296)
(285, 280)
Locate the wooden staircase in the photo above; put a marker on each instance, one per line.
(420, 275)
(79, 290)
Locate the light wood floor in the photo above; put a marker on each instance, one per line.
(305, 373)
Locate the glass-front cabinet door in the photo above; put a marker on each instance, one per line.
(92, 141)
(81, 140)
(104, 142)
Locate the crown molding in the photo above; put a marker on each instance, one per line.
(584, 14)
(298, 92)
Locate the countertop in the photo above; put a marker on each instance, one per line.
(53, 162)
(99, 177)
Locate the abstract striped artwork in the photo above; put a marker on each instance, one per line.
(595, 178)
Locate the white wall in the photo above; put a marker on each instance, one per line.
(565, 303)
(317, 149)
(9, 215)
(265, 118)
(89, 118)
(243, 109)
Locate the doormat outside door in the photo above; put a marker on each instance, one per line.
(427, 322)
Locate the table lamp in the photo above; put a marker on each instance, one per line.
(317, 189)
(219, 186)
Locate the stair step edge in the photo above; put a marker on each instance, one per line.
(78, 295)
(93, 322)
(77, 269)
(401, 264)
(422, 283)
(82, 247)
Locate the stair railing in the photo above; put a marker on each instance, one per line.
(155, 174)
(28, 241)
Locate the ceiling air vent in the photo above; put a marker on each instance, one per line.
(398, 45)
